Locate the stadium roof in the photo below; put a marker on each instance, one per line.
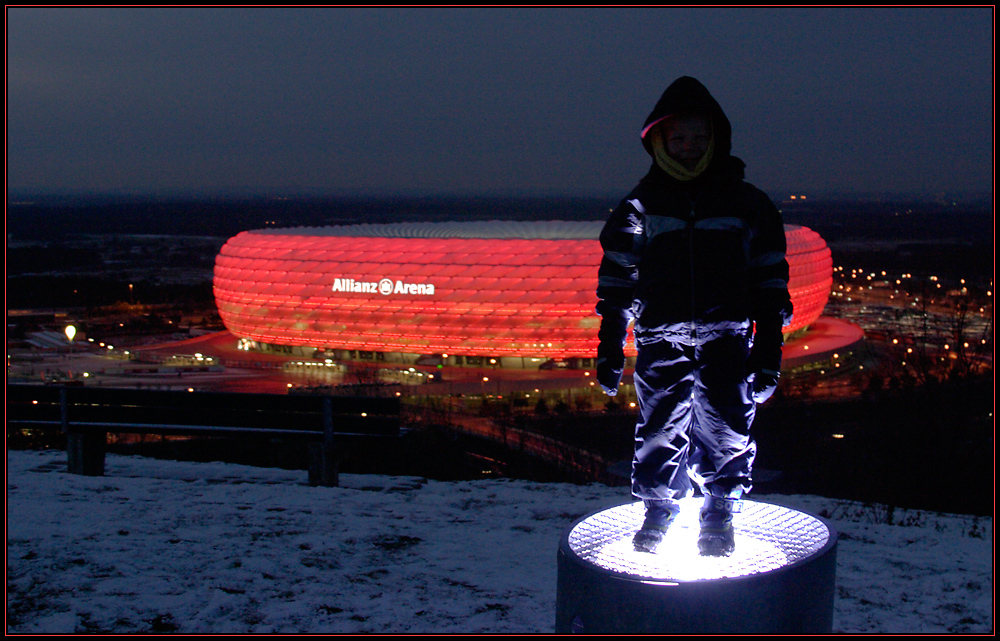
(520, 229)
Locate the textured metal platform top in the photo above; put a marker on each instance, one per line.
(768, 537)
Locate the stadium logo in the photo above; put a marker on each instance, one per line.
(385, 287)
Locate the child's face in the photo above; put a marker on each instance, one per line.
(687, 139)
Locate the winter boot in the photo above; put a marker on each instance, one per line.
(717, 537)
(659, 516)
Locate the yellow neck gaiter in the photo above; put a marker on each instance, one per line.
(671, 166)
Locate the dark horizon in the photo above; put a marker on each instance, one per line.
(62, 197)
(967, 226)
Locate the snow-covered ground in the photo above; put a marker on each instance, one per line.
(165, 546)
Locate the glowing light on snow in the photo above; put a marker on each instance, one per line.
(768, 537)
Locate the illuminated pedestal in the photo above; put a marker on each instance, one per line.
(779, 580)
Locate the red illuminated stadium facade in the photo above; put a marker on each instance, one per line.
(478, 289)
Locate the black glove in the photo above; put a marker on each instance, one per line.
(764, 365)
(611, 351)
(763, 384)
(609, 370)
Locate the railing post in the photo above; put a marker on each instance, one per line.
(84, 450)
(324, 457)
(64, 410)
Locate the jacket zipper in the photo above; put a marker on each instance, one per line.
(694, 325)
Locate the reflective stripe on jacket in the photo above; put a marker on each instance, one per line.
(689, 267)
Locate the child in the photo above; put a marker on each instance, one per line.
(695, 257)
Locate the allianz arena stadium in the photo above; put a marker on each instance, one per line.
(477, 289)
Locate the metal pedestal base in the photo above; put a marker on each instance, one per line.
(779, 580)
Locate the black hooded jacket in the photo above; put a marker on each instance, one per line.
(691, 260)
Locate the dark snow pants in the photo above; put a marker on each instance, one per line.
(695, 412)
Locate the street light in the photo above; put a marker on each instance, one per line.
(70, 333)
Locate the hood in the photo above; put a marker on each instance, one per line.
(687, 96)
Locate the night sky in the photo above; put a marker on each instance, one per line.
(513, 101)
